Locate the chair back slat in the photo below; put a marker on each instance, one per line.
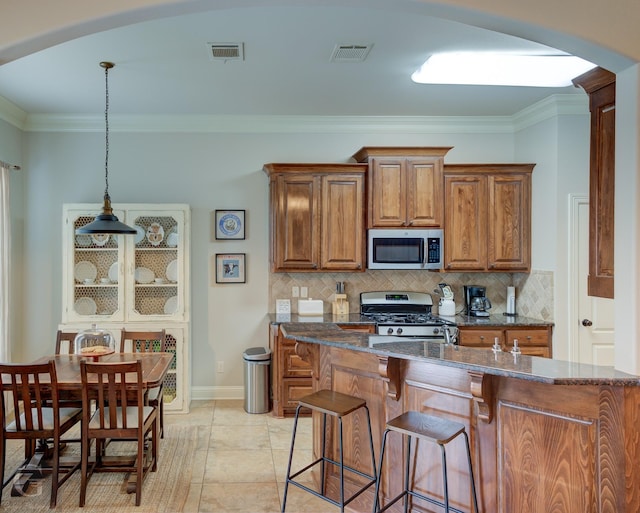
(143, 341)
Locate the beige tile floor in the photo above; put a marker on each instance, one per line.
(242, 458)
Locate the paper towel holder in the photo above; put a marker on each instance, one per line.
(511, 302)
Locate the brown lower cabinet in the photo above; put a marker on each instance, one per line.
(290, 374)
(534, 341)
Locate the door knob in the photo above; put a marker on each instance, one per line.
(586, 322)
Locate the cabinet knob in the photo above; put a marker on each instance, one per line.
(586, 322)
(481, 337)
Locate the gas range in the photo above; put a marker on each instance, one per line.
(403, 314)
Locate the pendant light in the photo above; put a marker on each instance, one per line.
(106, 222)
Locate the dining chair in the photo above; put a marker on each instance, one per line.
(120, 414)
(65, 342)
(147, 342)
(30, 411)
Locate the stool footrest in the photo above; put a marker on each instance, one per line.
(337, 464)
(371, 479)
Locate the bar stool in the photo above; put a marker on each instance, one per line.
(432, 429)
(337, 405)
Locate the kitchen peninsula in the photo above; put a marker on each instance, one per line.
(546, 435)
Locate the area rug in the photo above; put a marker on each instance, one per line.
(163, 491)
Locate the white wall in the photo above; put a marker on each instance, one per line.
(560, 148)
(627, 225)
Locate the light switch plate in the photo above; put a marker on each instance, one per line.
(283, 306)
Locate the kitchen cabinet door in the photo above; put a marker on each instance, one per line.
(424, 192)
(509, 222)
(465, 233)
(342, 227)
(387, 204)
(296, 244)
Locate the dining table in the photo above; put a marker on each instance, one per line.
(155, 366)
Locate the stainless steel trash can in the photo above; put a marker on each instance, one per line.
(257, 368)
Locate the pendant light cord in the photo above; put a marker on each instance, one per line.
(106, 124)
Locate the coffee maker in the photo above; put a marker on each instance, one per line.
(476, 301)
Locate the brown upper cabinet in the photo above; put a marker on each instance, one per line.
(600, 85)
(487, 216)
(404, 186)
(317, 217)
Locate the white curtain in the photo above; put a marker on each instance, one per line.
(5, 252)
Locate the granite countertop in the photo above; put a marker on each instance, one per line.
(532, 368)
(499, 321)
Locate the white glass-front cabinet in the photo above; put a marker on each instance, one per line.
(140, 280)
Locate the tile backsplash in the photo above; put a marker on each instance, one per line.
(534, 291)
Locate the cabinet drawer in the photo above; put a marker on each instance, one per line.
(528, 337)
(364, 328)
(479, 338)
(294, 366)
(294, 389)
(536, 351)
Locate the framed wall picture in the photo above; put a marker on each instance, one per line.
(229, 224)
(230, 268)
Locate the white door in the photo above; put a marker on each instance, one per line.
(592, 325)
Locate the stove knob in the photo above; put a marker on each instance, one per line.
(436, 331)
(399, 331)
(390, 331)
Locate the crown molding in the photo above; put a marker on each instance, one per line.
(12, 114)
(550, 107)
(270, 124)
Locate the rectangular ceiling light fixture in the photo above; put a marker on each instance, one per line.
(350, 53)
(501, 69)
(226, 51)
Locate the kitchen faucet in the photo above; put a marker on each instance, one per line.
(449, 336)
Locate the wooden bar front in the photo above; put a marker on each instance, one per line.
(536, 447)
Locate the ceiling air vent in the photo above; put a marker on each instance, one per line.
(350, 53)
(226, 51)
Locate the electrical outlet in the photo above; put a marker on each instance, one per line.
(220, 366)
(304, 292)
(295, 291)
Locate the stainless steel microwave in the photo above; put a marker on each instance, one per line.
(399, 248)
